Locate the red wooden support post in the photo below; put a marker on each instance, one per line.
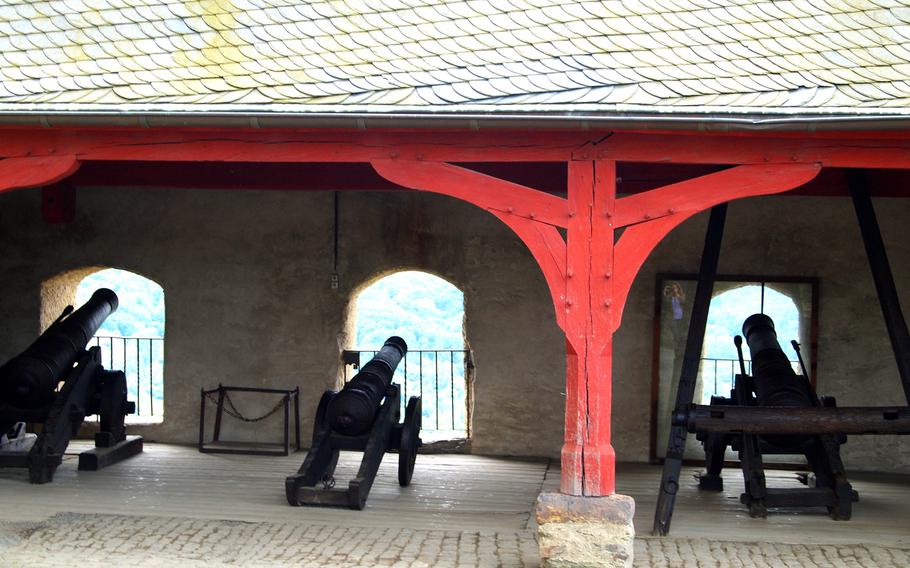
(588, 459)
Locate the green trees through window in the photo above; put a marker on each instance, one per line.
(132, 338)
(428, 313)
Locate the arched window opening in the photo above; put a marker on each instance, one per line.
(132, 338)
(428, 313)
(789, 302)
(726, 314)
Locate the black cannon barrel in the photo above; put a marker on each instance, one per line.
(775, 382)
(29, 379)
(353, 410)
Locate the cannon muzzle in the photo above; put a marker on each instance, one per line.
(29, 379)
(354, 409)
(775, 382)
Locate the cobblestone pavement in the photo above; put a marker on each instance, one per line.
(114, 541)
(702, 553)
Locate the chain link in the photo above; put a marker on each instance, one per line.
(231, 410)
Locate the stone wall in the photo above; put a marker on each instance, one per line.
(246, 277)
(249, 301)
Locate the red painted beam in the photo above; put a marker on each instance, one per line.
(550, 177)
(494, 194)
(698, 194)
(848, 149)
(588, 459)
(690, 197)
(289, 145)
(549, 250)
(23, 173)
(530, 213)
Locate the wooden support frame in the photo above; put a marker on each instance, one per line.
(589, 273)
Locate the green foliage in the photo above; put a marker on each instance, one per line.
(141, 311)
(426, 311)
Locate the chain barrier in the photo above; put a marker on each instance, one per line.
(232, 411)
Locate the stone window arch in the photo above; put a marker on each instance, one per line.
(131, 339)
(428, 312)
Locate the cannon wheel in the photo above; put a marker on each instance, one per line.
(113, 405)
(410, 441)
(327, 397)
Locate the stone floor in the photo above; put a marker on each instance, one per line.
(172, 507)
(151, 542)
(105, 541)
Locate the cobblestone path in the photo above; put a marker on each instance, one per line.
(115, 541)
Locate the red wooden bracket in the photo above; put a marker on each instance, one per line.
(23, 173)
(494, 194)
(686, 199)
(549, 250)
(697, 194)
(530, 213)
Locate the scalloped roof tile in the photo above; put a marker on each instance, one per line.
(818, 56)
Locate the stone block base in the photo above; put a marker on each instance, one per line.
(585, 532)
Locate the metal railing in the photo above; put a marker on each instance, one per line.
(720, 374)
(142, 359)
(438, 376)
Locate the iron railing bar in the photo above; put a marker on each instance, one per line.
(407, 368)
(151, 382)
(715, 361)
(436, 394)
(452, 383)
(715, 376)
(136, 375)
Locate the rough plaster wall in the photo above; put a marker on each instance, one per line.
(246, 279)
(59, 292)
(248, 297)
(785, 236)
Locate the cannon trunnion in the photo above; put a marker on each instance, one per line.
(364, 416)
(57, 382)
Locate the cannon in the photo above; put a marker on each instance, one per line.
(773, 411)
(364, 416)
(57, 381)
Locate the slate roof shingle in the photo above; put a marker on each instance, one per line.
(687, 56)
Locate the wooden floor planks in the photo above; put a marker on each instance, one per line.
(447, 492)
(454, 492)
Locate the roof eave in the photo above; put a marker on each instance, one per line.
(469, 119)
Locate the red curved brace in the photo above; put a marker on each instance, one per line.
(686, 199)
(525, 210)
(23, 173)
(697, 194)
(549, 250)
(494, 194)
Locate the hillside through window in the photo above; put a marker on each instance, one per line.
(428, 313)
(132, 338)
